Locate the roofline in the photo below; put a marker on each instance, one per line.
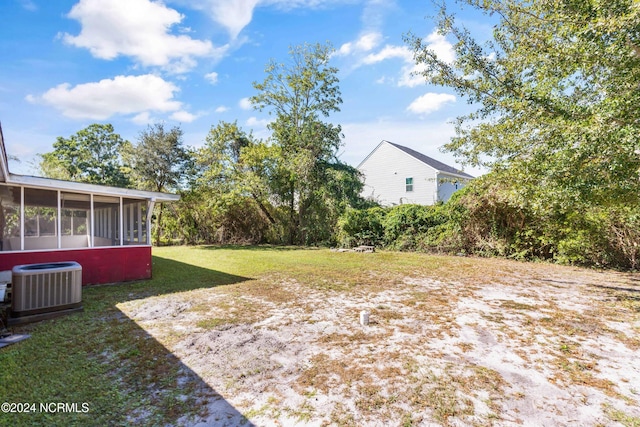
(81, 187)
(394, 145)
(455, 175)
(373, 151)
(467, 176)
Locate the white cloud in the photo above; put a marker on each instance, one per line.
(368, 41)
(389, 52)
(212, 77)
(139, 29)
(364, 43)
(141, 119)
(255, 122)
(221, 109)
(245, 104)
(439, 44)
(410, 72)
(233, 15)
(430, 102)
(108, 97)
(411, 75)
(184, 116)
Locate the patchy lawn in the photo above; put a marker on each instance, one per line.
(270, 336)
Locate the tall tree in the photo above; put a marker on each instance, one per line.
(235, 163)
(301, 94)
(558, 94)
(92, 155)
(233, 186)
(160, 162)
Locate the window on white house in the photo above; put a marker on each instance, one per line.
(409, 184)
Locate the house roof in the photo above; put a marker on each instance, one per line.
(58, 184)
(435, 164)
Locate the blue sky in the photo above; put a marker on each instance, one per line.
(69, 63)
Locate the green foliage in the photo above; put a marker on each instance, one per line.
(557, 122)
(558, 93)
(481, 220)
(289, 189)
(306, 181)
(221, 219)
(159, 161)
(403, 227)
(404, 223)
(93, 155)
(485, 220)
(361, 227)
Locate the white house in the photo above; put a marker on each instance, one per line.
(395, 175)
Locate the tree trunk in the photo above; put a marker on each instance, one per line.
(264, 209)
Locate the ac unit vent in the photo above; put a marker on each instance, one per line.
(43, 288)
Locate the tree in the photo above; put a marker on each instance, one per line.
(235, 162)
(301, 94)
(233, 186)
(160, 162)
(558, 95)
(92, 155)
(557, 121)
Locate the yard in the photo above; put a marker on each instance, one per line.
(270, 336)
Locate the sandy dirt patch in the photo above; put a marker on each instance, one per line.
(535, 345)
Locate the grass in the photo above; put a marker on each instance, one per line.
(129, 376)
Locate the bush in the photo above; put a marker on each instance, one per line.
(404, 223)
(404, 227)
(361, 227)
(487, 219)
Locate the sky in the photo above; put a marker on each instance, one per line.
(191, 63)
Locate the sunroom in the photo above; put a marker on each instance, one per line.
(105, 229)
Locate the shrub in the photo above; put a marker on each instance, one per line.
(361, 227)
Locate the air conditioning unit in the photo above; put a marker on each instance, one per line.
(44, 288)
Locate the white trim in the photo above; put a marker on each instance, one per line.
(121, 223)
(74, 249)
(92, 214)
(371, 153)
(139, 210)
(22, 230)
(59, 220)
(81, 187)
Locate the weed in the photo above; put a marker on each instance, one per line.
(620, 416)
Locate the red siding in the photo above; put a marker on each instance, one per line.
(99, 265)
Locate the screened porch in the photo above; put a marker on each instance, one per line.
(45, 219)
